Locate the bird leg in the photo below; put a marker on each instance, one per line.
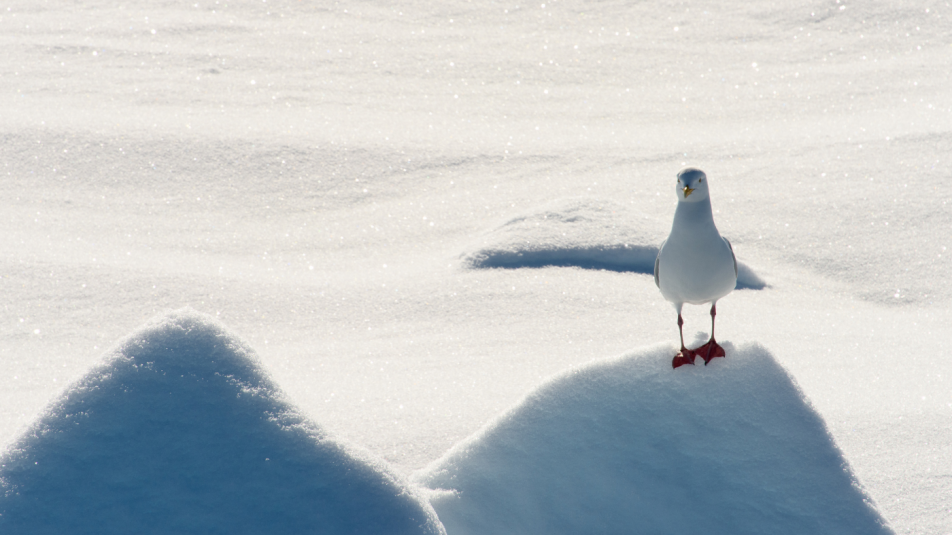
(711, 349)
(685, 356)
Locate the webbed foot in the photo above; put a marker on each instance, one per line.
(710, 351)
(685, 356)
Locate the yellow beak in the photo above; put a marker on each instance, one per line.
(687, 191)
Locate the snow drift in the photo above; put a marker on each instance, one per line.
(180, 431)
(631, 446)
(585, 233)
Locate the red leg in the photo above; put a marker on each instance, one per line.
(711, 349)
(685, 356)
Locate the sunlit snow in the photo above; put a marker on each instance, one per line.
(418, 214)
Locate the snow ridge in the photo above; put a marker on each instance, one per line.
(179, 430)
(629, 445)
(583, 233)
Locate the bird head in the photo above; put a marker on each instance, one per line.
(692, 185)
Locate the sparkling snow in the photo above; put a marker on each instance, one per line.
(324, 180)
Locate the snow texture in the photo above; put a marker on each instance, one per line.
(625, 445)
(180, 431)
(310, 173)
(584, 233)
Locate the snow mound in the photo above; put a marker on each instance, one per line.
(180, 431)
(629, 445)
(573, 233)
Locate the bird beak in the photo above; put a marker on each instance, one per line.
(687, 191)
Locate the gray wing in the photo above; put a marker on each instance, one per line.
(733, 256)
(657, 259)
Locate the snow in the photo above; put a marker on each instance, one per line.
(179, 430)
(324, 180)
(624, 443)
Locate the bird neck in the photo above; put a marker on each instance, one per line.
(694, 215)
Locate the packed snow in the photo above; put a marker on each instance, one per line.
(179, 430)
(624, 445)
(418, 213)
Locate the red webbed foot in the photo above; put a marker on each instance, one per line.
(685, 356)
(710, 351)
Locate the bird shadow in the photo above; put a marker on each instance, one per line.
(618, 258)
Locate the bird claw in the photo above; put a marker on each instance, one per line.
(710, 351)
(685, 356)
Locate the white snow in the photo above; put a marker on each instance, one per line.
(180, 431)
(626, 445)
(324, 178)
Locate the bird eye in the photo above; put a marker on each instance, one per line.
(700, 180)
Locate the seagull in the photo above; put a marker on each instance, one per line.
(695, 264)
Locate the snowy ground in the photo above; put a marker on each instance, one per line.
(624, 445)
(180, 431)
(322, 178)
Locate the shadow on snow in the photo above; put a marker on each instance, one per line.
(618, 258)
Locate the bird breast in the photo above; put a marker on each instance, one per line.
(696, 267)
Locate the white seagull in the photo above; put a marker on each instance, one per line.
(695, 264)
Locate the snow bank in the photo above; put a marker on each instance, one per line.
(631, 446)
(180, 431)
(585, 233)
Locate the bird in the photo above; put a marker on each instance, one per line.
(695, 264)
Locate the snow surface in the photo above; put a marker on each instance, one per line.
(626, 446)
(179, 430)
(318, 176)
